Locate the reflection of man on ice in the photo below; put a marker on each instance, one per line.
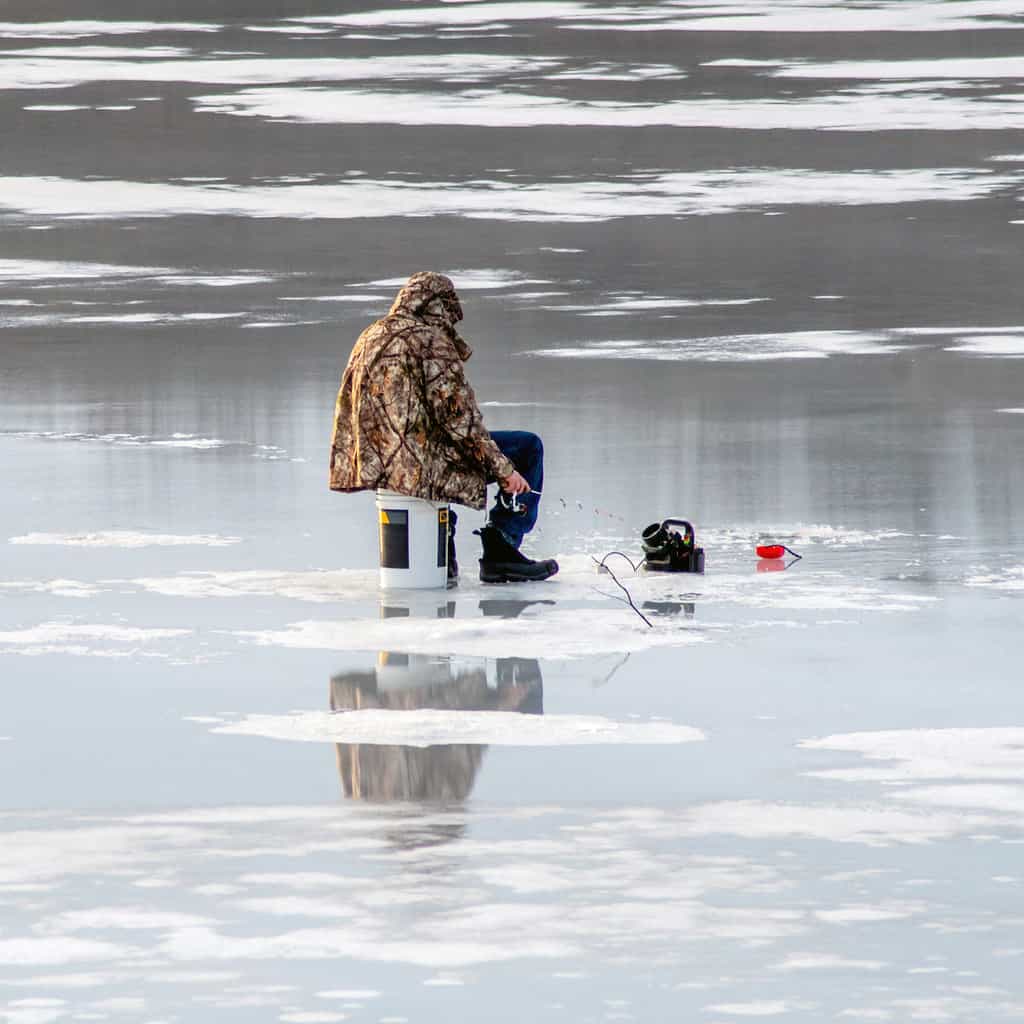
(407, 420)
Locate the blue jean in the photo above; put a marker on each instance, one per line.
(526, 452)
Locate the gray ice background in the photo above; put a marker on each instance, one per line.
(753, 263)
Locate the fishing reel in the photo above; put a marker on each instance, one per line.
(668, 550)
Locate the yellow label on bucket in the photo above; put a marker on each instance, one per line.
(442, 515)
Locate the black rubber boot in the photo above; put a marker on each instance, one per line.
(502, 563)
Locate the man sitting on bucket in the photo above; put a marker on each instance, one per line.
(407, 421)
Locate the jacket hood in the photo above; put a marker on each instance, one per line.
(432, 298)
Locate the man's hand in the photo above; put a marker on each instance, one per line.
(514, 483)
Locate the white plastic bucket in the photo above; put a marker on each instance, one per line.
(413, 534)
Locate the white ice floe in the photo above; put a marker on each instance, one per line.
(193, 442)
(555, 634)
(880, 106)
(768, 16)
(740, 62)
(865, 824)
(957, 68)
(761, 1008)
(57, 588)
(428, 727)
(472, 279)
(65, 270)
(613, 71)
(990, 345)
(718, 16)
(461, 14)
(672, 194)
(316, 585)
(625, 304)
(1011, 578)
(826, 962)
(351, 297)
(117, 918)
(1017, 412)
(38, 271)
(868, 913)
(350, 993)
(125, 539)
(86, 51)
(104, 641)
(39, 952)
(61, 72)
(735, 348)
(911, 755)
(83, 29)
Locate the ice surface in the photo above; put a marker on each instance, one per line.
(671, 194)
(427, 727)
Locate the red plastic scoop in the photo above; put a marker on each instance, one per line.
(771, 551)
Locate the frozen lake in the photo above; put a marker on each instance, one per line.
(755, 264)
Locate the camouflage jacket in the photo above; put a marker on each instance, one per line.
(406, 418)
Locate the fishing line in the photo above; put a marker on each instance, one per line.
(604, 568)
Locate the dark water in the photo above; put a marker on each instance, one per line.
(754, 264)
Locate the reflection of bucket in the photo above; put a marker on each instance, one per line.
(398, 671)
(413, 541)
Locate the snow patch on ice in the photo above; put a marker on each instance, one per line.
(826, 962)
(82, 29)
(84, 639)
(763, 1008)
(57, 588)
(55, 949)
(957, 68)
(471, 280)
(691, 193)
(317, 585)
(1011, 578)
(990, 345)
(879, 107)
(556, 634)
(737, 348)
(428, 727)
(62, 72)
(916, 754)
(194, 442)
(123, 539)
